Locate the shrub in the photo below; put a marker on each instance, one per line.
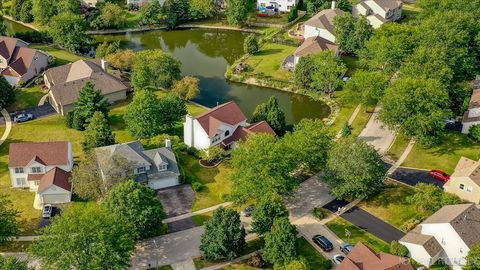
(320, 213)
(256, 260)
(474, 132)
(69, 119)
(34, 37)
(293, 14)
(250, 45)
(197, 186)
(192, 151)
(410, 224)
(398, 249)
(212, 154)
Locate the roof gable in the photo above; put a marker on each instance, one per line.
(55, 177)
(228, 113)
(48, 153)
(324, 19)
(363, 258)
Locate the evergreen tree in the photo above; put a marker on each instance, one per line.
(89, 101)
(250, 44)
(98, 133)
(143, 117)
(272, 114)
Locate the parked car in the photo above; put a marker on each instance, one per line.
(47, 211)
(23, 117)
(346, 248)
(439, 175)
(323, 243)
(248, 211)
(338, 259)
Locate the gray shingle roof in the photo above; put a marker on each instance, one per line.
(324, 19)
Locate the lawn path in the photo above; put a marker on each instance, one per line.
(402, 157)
(8, 124)
(350, 120)
(201, 211)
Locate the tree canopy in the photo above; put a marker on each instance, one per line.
(351, 33)
(187, 88)
(13, 263)
(280, 243)
(266, 210)
(89, 101)
(272, 114)
(473, 259)
(8, 222)
(98, 132)
(154, 68)
(7, 93)
(327, 71)
(87, 180)
(143, 115)
(429, 198)
(369, 85)
(250, 44)
(68, 30)
(238, 11)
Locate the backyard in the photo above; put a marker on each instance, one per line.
(62, 57)
(27, 97)
(267, 62)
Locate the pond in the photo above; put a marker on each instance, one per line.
(206, 55)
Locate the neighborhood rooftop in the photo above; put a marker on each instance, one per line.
(324, 19)
(228, 113)
(46, 153)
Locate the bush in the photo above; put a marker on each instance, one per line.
(410, 224)
(212, 154)
(192, 151)
(69, 119)
(197, 186)
(474, 132)
(250, 45)
(34, 37)
(256, 260)
(320, 213)
(398, 249)
(293, 14)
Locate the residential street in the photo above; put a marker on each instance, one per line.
(376, 134)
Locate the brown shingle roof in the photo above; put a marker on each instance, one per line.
(475, 99)
(363, 258)
(55, 177)
(21, 59)
(51, 153)
(324, 19)
(7, 46)
(428, 242)
(314, 45)
(241, 133)
(228, 113)
(468, 168)
(388, 4)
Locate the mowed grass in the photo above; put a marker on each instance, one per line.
(339, 227)
(347, 101)
(62, 57)
(398, 147)
(360, 121)
(268, 62)
(444, 156)
(391, 205)
(27, 97)
(314, 258)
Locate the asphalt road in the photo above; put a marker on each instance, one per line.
(413, 176)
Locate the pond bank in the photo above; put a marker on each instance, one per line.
(182, 26)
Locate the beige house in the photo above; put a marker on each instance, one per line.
(66, 82)
(18, 63)
(465, 181)
(472, 115)
(378, 12)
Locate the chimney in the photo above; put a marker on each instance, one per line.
(334, 4)
(168, 143)
(104, 64)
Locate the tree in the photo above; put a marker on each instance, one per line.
(106, 48)
(87, 179)
(212, 154)
(68, 30)
(88, 102)
(370, 85)
(68, 6)
(272, 114)
(155, 68)
(266, 210)
(172, 109)
(187, 88)
(474, 132)
(7, 93)
(151, 13)
(98, 240)
(312, 137)
(473, 259)
(280, 244)
(98, 133)
(202, 9)
(122, 60)
(314, 6)
(43, 11)
(175, 11)
(351, 33)
(143, 117)
(237, 12)
(293, 14)
(137, 204)
(398, 249)
(8, 222)
(3, 27)
(326, 76)
(416, 107)
(261, 157)
(346, 130)
(112, 15)
(303, 72)
(250, 44)
(354, 169)
(224, 236)
(15, 8)
(13, 263)
(26, 12)
(298, 264)
(429, 198)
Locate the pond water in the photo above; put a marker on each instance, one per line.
(206, 55)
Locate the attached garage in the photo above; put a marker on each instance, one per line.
(55, 187)
(163, 183)
(55, 198)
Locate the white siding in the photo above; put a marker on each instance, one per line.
(55, 195)
(311, 31)
(419, 254)
(467, 125)
(163, 183)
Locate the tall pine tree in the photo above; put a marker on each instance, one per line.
(98, 133)
(89, 101)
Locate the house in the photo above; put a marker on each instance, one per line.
(280, 5)
(313, 45)
(465, 181)
(447, 235)
(65, 82)
(156, 168)
(141, 3)
(378, 12)
(362, 257)
(223, 125)
(18, 63)
(44, 168)
(472, 115)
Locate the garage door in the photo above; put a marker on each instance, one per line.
(55, 198)
(158, 184)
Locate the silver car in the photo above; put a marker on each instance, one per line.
(47, 211)
(23, 117)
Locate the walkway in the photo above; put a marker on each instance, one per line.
(8, 126)
(402, 158)
(350, 120)
(377, 134)
(202, 211)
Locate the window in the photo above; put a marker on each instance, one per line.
(227, 133)
(37, 169)
(141, 170)
(462, 186)
(19, 170)
(162, 167)
(21, 182)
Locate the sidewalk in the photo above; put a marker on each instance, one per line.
(8, 126)
(202, 211)
(377, 134)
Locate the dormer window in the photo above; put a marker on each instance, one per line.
(162, 167)
(227, 133)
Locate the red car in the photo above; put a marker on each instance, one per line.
(439, 175)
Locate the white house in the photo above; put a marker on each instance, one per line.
(378, 12)
(281, 5)
(321, 25)
(44, 168)
(472, 115)
(156, 168)
(223, 125)
(447, 235)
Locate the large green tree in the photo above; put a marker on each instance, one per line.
(137, 204)
(98, 132)
(272, 114)
(280, 244)
(88, 102)
(238, 11)
(68, 30)
(7, 93)
(187, 88)
(351, 33)
(43, 11)
(369, 85)
(303, 72)
(122, 59)
(154, 68)
(87, 179)
(68, 6)
(250, 44)
(97, 239)
(266, 211)
(417, 108)
(8, 222)
(172, 109)
(151, 13)
(224, 236)
(175, 11)
(143, 116)
(201, 9)
(328, 69)
(112, 15)
(354, 169)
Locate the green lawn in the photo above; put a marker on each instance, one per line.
(27, 97)
(360, 121)
(314, 258)
(347, 102)
(268, 61)
(279, 19)
(339, 225)
(444, 156)
(202, 218)
(398, 146)
(62, 57)
(391, 205)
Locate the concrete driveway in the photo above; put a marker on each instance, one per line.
(414, 176)
(376, 134)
